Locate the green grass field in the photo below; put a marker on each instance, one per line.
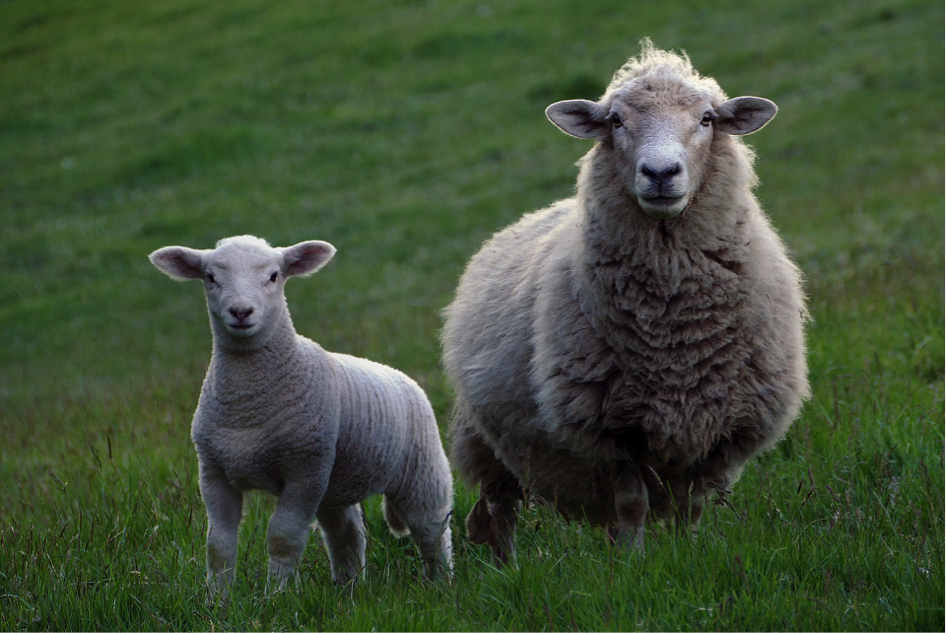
(406, 133)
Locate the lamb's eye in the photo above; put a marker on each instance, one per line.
(272, 278)
(707, 119)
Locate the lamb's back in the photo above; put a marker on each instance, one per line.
(385, 424)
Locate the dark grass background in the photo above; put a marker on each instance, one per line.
(406, 133)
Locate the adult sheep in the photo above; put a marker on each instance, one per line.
(629, 349)
(321, 431)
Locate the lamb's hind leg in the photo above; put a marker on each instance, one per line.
(343, 531)
(429, 528)
(495, 517)
(631, 505)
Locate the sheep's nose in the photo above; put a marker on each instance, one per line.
(661, 175)
(241, 314)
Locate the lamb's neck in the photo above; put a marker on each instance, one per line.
(237, 370)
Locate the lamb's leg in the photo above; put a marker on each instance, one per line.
(288, 530)
(429, 529)
(224, 505)
(631, 504)
(343, 531)
(436, 548)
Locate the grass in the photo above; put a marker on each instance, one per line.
(405, 133)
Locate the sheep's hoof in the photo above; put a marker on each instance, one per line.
(481, 526)
(627, 538)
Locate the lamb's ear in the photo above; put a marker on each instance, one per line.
(306, 257)
(745, 115)
(179, 262)
(579, 117)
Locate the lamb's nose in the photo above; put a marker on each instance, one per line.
(661, 175)
(241, 314)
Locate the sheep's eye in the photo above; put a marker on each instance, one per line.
(210, 278)
(615, 120)
(272, 278)
(707, 119)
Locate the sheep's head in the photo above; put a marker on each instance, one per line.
(656, 125)
(244, 280)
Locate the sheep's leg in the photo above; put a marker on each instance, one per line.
(343, 530)
(288, 531)
(689, 498)
(224, 505)
(631, 504)
(495, 517)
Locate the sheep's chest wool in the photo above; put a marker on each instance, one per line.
(626, 351)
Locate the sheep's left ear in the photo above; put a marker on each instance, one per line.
(579, 117)
(306, 258)
(745, 115)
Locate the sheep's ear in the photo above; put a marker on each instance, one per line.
(306, 257)
(579, 117)
(745, 115)
(179, 262)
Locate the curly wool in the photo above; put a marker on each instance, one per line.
(588, 334)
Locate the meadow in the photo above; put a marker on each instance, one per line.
(405, 133)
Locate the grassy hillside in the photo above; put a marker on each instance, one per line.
(405, 133)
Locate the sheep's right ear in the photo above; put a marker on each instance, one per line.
(179, 262)
(306, 258)
(579, 117)
(745, 115)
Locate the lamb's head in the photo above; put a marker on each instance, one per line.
(656, 125)
(244, 280)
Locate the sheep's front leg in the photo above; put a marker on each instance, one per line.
(631, 504)
(689, 499)
(288, 530)
(343, 530)
(224, 505)
(495, 517)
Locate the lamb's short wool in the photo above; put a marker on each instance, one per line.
(321, 431)
(626, 351)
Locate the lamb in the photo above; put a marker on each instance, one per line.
(319, 430)
(625, 352)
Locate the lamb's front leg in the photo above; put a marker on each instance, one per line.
(631, 505)
(224, 505)
(288, 530)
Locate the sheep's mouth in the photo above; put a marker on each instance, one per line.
(663, 207)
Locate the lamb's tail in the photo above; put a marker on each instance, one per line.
(395, 522)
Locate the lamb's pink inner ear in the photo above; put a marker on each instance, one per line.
(306, 258)
(178, 262)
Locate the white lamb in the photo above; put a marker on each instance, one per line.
(629, 349)
(321, 431)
